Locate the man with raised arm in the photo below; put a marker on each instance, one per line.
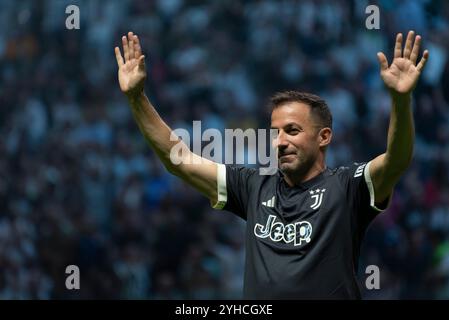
(305, 223)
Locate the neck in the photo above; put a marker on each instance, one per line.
(315, 170)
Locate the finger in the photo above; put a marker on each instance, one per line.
(137, 48)
(382, 61)
(118, 56)
(408, 44)
(125, 48)
(131, 45)
(415, 50)
(423, 61)
(398, 46)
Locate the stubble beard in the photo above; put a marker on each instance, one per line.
(298, 168)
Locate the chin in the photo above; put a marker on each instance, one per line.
(288, 168)
(293, 168)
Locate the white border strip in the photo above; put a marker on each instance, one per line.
(222, 193)
(372, 197)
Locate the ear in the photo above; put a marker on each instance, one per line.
(325, 136)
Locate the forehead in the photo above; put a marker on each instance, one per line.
(291, 112)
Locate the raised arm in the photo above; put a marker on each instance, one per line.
(400, 78)
(198, 172)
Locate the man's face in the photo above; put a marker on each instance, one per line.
(298, 143)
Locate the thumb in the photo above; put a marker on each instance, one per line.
(382, 61)
(141, 62)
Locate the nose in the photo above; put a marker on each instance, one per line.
(281, 141)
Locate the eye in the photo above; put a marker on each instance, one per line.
(293, 131)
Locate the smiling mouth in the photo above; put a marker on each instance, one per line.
(286, 156)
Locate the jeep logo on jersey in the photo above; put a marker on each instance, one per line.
(297, 232)
(317, 196)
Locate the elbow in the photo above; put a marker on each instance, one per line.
(176, 170)
(172, 169)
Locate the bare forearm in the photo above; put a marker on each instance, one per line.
(156, 132)
(400, 77)
(401, 134)
(171, 150)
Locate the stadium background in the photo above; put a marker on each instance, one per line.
(78, 184)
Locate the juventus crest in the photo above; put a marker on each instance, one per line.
(317, 197)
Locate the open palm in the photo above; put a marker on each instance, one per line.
(131, 72)
(403, 73)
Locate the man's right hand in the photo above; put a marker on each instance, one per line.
(131, 72)
(199, 172)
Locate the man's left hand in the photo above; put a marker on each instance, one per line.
(403, 73)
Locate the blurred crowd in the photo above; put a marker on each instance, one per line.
(79, 185)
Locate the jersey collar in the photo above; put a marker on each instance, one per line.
(306, 184)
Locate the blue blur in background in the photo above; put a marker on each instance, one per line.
(79, 185)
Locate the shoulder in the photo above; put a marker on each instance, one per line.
(237, 170)
(353, 170)
(247, 175)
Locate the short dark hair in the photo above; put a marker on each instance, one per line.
(318, 107)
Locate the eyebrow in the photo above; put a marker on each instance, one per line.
(289, 125)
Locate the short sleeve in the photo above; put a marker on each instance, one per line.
(233, 188)
(360, 190)
(372, 197)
